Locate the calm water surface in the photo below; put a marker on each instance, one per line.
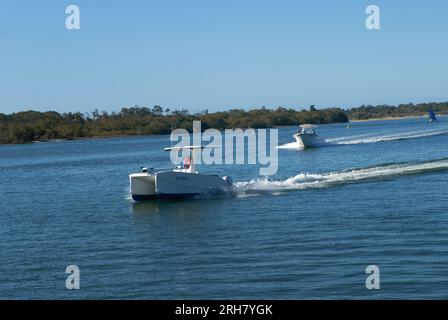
(379, 196)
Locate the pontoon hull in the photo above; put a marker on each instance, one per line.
(142, 197)
(175, 185)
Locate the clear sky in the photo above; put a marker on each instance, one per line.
(220, 54)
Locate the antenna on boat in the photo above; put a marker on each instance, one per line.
(172, 129)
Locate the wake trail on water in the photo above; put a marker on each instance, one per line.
(303, 181)
(372, 138)
(291, 145)
(392, 137)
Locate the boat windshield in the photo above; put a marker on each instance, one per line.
(307, 129)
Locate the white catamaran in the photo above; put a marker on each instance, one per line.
(181, 182)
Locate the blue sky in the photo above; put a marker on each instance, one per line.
(218, 55)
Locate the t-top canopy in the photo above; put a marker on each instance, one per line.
(308, 126)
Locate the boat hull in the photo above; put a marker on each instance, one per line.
(142, 184)
(148, 197)
(175, 185)
(171, 182)
(309, 140)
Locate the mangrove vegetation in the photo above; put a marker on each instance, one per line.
(28, 126)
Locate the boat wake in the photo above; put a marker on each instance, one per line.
(388, 137)
(304, 181)
(372, 138)
(291, 145)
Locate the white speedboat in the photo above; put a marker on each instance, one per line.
(181, 182)
(307, 137)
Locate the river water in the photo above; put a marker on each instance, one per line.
(377, 196)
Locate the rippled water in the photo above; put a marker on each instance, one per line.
(378, 195)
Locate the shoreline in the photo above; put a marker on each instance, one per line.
(387, 118)
(131, 135)
(84, 138)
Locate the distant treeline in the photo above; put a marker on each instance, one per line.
(402, 110)
(28, 126)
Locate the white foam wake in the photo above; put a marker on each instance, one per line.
(322, 180)
(391, 137)
(348, 138)
(291, 145)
